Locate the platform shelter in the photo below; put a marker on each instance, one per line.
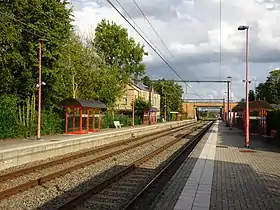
(259, 110)
(153, 115)
(82, 116)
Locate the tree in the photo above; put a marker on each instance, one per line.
(146, 80)
(113, 44)
(140, 105)
(22, 24)
(85, 75)
(261, 91)
(242, 101)
(173, 93)
(251, 95)
(270, 90)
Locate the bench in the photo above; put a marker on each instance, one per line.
(117, 124)
(272, 136)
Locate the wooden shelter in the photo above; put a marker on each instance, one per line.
(261, 107)
(153, 115)
(82, 116)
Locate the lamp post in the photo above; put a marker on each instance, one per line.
(133, 105)
(247, 115)
(39, 86)
(229, 105)
(39, 90)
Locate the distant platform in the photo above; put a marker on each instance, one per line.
(15, 152)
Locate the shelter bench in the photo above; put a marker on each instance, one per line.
(117, 124)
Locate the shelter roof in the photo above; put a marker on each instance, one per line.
(152, 109)
(83, 103)
(254, 106)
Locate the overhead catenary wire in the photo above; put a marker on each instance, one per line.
(147, 19)
(161, 57)
(139, 28)
(144, 39)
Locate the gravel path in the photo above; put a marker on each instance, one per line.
(56, 191)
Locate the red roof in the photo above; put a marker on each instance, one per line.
(253, 106)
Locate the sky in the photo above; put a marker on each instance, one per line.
(198, 38)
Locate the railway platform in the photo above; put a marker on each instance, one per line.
(15, 143)
(16, 152)
(221, 174)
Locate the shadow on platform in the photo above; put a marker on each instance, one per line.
(239, 186)
(236, 138)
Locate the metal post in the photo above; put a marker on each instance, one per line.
(39, 91)
(247, 139)
(228, 103)
(230, 115)
(150, 102)
(164, 107)
(133, 105)
(223, 109)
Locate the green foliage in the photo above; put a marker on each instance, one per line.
(113, 44)
(72, 66)
(251, 95)
(173, 93)
(108, 120)
(84, 74)
(270, 90)
(242, 101)
(27, 117)
(51, 123)
(146, 80)
(22, 24)
(9, 126)
(139, 105)
(273, 122)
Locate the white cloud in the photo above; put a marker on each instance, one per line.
(191, 30)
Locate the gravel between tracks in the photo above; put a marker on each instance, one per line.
(77, 181)
(134, 181)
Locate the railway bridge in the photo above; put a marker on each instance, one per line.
(191, 106)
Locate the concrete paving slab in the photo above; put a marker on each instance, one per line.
(202, 175)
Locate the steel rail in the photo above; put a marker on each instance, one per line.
(70, 204)
(79, 154)
(39, 181)
(186, 149)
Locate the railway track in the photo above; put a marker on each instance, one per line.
(24, 179)
(124, 189)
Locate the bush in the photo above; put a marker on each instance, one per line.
(51, 123)
(16, 119)
(273, 121)
(9, 126)
(108, 120)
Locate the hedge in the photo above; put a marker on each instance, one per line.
(273, 120)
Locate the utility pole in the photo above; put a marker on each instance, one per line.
(229, 97)
(150, 102)
(165, 107)
(133, 105)
(39, 91)
(228, 103)
(223, 108)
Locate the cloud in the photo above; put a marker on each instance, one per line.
(191, 30)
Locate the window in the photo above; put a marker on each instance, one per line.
(124, 100)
